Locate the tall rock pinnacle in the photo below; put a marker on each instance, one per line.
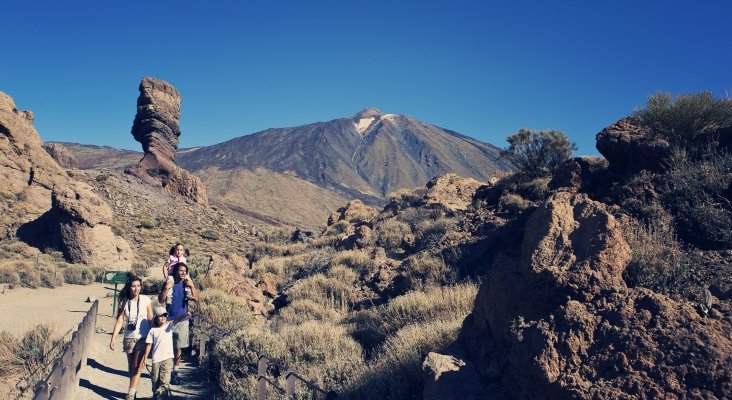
(157, 128)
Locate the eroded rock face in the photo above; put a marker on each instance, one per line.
(61, 154)
(629, 147)
(554, 319)
(49, 209)
(156, 127)
(228, 277)
(452, 191)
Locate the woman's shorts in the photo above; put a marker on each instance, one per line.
(131, 345)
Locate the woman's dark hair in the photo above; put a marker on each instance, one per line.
(172, 250)
(126, 292)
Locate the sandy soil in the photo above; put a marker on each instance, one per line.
(62, 308)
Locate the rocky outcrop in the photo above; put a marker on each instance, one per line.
(48, 208)
(451, 191)
(61, 154)
(156, 127)
(554, 319)
(629, 147)
(229, 277)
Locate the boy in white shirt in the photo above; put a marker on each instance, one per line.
(160, 342)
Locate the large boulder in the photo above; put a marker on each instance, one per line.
(554, 319)
(629, 147)
(156, 127)
(45, 207)
(452, 191)
(229, 277)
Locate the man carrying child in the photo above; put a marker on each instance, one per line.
(183, 291)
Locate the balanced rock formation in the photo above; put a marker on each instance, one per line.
(156, 127)
(47, 208)
(554, 319)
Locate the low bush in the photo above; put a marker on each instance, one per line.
(325, 291)
(29, 276)
(436, 304)
(538, 154)
(139, 269)
(430, 232)
(9, 276)
(405, 198)
(396, 372)
(209, 234)
(659, 263)
(391, 234)
(512, 203)
(423, 270)
(683, 118)
(357, 260)
(225, 311)
(78, 274)
(304, 310)
(152, 286)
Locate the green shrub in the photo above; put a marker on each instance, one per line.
(210, 235)
(683, 118)
(147, 223)
(538, 154)
(78, 275)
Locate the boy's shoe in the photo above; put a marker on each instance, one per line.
(174, 380)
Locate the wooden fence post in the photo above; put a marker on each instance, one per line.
(261, 374)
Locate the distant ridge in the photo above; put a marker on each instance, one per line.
(367, 155)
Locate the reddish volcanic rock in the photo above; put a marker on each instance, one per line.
(554, 319)
(157, 128)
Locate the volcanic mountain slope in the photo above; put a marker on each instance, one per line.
(365, 156)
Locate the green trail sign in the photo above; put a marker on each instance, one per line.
(115, 277)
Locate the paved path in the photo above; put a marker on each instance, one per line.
(105, 375)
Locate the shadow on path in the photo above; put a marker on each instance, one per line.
(92, 363)
(102, 392)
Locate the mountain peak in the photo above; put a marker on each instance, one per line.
(368, 113)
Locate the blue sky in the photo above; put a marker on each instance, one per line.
(482, 68)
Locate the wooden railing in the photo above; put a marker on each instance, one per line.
(62, 380)
(264, 365)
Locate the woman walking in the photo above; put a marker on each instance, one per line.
(135, 314)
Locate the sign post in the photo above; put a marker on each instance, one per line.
(115, 277)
